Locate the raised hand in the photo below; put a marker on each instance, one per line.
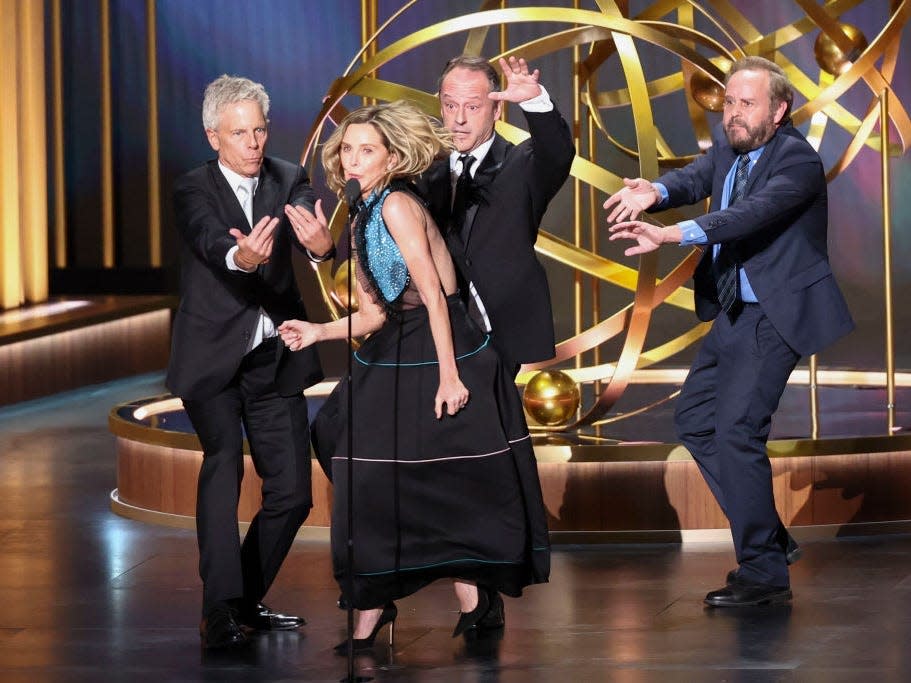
(520, 85)
(298, 334)
(255, 248)
(635, 197)
(311, 229)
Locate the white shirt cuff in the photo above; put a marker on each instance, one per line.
(229, 261)
(539, 104)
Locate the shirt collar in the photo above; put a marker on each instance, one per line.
(478, 153)
(755, 154)
(236, 179)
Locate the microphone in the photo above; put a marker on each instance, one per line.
(353, 197)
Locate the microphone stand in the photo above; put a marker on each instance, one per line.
(353, 197)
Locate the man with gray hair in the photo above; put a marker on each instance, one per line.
(238, 217)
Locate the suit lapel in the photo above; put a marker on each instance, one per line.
(483, 178)
(763, 163)
(266, 193)
(228, 199)
(439, 192)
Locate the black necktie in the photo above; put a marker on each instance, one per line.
(462, 189)
(727, 269)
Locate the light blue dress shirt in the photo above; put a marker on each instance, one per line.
(693, 234)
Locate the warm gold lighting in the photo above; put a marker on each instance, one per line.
(708, 93)
(154, 165)
(342, 288)
(10, 256)
(41, 311)
(32, 152)
(23, 157)
(831, 58)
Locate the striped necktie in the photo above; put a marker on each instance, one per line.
(727, 268)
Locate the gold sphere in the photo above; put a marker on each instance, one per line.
(708, 93)
(830, 57)
(340, 287)
(551, 397)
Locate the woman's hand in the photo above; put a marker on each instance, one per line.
(453, 394)
(298, 334)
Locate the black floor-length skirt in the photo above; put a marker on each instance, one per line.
(455, 497)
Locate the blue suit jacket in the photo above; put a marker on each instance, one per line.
(778, 231)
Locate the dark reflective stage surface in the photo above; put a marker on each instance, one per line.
(90, 596)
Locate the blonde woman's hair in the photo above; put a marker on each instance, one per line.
(415, 138)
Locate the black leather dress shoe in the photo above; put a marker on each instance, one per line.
(743, 593)
(792, 553)
(261, 618)
(219, 629)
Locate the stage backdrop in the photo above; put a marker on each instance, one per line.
(296, 49)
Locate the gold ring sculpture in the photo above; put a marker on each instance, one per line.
(844, 58)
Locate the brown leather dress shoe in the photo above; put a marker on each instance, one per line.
(261, 618)
(219, 629)
(741, 593)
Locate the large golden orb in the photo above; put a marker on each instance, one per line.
(551, 397)
(708, 93)
(341, 288)
(831, 58)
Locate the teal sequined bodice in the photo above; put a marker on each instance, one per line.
(381, 265)
(382, 254)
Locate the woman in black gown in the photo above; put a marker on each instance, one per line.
(445, 482)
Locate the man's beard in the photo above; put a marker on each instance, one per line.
(755, 137)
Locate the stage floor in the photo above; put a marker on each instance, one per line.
(89, 596)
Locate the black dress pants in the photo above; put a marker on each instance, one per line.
(278, 434)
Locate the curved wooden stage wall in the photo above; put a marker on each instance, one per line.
(593, 494)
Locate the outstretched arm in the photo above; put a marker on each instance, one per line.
(550, 146)
(648, 237)
(299, 334)
(636, 196)
(520, 84)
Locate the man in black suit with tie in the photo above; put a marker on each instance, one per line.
(765, 280)
(235, 216)
(489, 198)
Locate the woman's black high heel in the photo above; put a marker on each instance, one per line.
(387, 616)
(470, 619)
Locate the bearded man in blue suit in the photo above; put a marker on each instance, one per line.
(765, 280)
